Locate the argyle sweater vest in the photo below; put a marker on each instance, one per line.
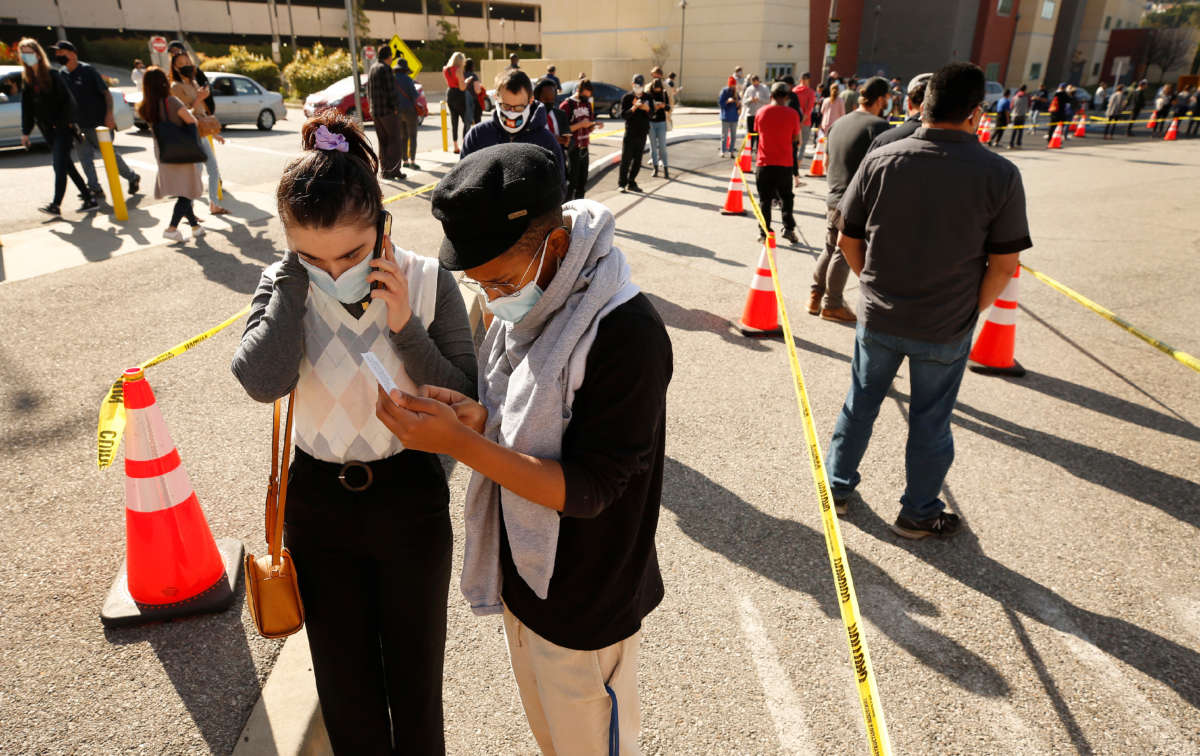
(336, 393)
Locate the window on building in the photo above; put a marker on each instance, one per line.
(1035, 71)
(1004, 7)
(1048, 9)
(1096, 69)
(991, 72)
(1118, 23)
(1107, 22)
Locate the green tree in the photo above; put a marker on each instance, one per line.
(362, 24)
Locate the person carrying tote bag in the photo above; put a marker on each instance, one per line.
(186, 88)
(176, 149)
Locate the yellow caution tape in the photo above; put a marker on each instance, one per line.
(868, 691)
(412, 192)
(1104, 312)
(112, 410)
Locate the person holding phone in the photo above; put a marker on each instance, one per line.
(367, 521)
(187, 88)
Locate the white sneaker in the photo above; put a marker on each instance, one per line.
(175, 235)
(197, 232)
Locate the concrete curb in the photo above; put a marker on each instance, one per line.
(286, 721)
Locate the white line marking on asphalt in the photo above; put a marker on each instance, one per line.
(782, 704)
(263, 150)
(140, 164)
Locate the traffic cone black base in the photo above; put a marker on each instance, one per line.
(754, 333)
(1013, 371)
(120, 610)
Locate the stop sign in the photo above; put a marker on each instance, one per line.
(158, 44)
(369, 52)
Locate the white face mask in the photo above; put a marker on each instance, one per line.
(514, 307)
(513, 121)
(29, 59)
(638, 89)
(350, 287)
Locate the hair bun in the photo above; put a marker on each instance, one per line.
(339, 123)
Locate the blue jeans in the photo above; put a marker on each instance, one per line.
(936, 373)
(729, 136)
(87, 150)
(658, 143)
(214, 173)
(60, 140)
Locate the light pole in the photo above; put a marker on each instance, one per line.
(682, 32)
(827, 58)
(503, 41)
(358, 111)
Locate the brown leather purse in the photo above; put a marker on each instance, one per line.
(207, 125)
(272, 592)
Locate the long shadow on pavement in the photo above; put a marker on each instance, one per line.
(794, 556)
(677, 247)
(702, 321)
(963, 559)
(97, 244)
(207, 658)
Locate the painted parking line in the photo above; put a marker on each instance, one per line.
(782, 702)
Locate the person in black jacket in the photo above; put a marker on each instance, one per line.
(635, 109)
(46, 102)
(1137, 101)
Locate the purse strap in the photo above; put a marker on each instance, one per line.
(277, 486)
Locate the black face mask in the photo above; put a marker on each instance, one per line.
(62, 59)
(187, 71)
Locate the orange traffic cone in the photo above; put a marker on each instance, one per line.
(1153, 121)
(733, 199)
(818, 163)
(761, 316)
(1173, 131)
(745, 158)
(985, 130)
(1057, 139)
(173, 567)
(1081, 126)
(993, 350)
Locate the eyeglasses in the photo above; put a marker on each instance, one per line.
(507, 289)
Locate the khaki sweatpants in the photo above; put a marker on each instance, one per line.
(563, 692)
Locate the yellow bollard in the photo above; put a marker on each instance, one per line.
(104, 137)
(220, 184)
(445, 137)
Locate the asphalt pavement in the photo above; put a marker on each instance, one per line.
(1062, 620)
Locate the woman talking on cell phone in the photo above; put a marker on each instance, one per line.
(367, 522)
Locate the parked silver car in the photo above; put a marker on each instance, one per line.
(238, 99)
(10, 109)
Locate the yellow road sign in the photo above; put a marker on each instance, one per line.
(398, 49)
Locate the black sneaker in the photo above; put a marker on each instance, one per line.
(98, 193)
(941, 525)
(51, 209)
(790, 235)
(666, 173)
(91, 203)
(841, 506)
(622, 189)
(762, 236)
(635, 188)
(134, 183)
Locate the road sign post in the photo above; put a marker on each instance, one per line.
(368, 53)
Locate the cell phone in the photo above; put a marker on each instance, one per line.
(384, 228)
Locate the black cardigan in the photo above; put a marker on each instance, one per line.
(53, 107)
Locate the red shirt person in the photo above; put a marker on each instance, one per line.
(778, 128)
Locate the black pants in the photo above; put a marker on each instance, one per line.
(183, 209)
(631, 156)
(998, 129)
(61, 140)
(374, 573)
(1160, 121)
(775, 182)
(752, 133)
(1110, 127)
(389, 130)
(1018, 131)
(1133, 116)
(1194, 123)
(1056, 120)
(577, 172)
(456, 103)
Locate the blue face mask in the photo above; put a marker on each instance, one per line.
(514, 307)
(29, 59)
(350, 287)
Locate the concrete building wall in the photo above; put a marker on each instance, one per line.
(850, 13)
(994, 36)
(1101, 18)
(622, 35)
(1032, 42)
(1066, 61)
(901, 38)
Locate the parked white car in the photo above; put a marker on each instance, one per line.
(10, 109)
(238, 99)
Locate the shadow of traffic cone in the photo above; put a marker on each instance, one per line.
(760, 318)
(818, 162)
(1056, 140)
(1172, 132)
(733, 199)
(993, 350)
(173, 567)
(745, 157)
